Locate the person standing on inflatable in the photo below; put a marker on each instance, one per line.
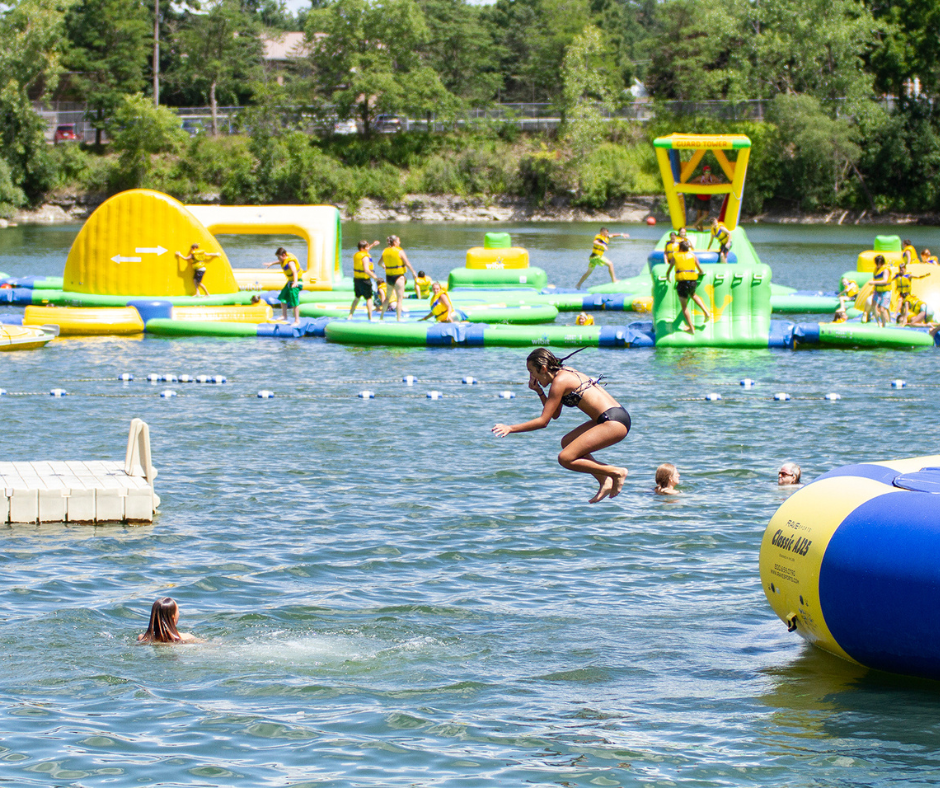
(608, 422)
(882, 282)
(687, 274)
(395, 261)
(362, 274)
(721, 234)
(199, 259)
(599, 254)
(290, 293)
(703, 202)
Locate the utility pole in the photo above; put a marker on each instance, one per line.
(156, 53)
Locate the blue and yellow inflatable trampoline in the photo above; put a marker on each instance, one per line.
(851, 562)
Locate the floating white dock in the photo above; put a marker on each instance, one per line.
(82, 491)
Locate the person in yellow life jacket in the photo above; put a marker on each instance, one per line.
(380, 290)
(908, 252)
(584, 319)
(929, 259)
(422, 285)
(599, 254)
(721, 234)
(683, 236)
(362, 278)
(669, 249)
(442, 308)
(849, 288)
(918, 311)
(395, 262)
(902, 283)
(290, 293)
(199, 259)
(687, 274)
(841, 314)
(882, 281)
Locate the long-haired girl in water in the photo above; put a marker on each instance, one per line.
(164, 616)
(609, 422)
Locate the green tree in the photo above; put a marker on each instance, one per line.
(31, 35)
(142, 132)
(589, 88)
(907, 46)
(108, 45)
(217, 52)
(461, 48)
(367, 58)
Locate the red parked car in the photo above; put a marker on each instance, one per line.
(65, 132)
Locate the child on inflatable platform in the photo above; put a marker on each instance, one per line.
(199, 259)
(362, 276)
(599, 254)
(929, 259)
(667, 477)
(686, 265)
(881, 298)
(290, 293)
(721, 234)
(442, 308)
(423, 284)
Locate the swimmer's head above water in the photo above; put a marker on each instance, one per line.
(164, 615)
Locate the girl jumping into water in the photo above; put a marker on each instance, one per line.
(609, 422)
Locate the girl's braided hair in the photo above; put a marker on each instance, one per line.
(543, 357)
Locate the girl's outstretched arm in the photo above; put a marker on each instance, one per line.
(551, 408)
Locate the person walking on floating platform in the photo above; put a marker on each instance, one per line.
(599, 254)
(608, 424)
(671, 246)
(442, 308)
(687, 274)
(199, 259)
(395, 261)
(721, 234)
(290, 293)
(908, 252)
(882, 291)
(362, 276)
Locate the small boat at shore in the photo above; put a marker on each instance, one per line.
(26, 337)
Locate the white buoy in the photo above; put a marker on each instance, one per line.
(713, 397)
(265, 394)
(186, 379)
(202, 378)
(747, 383)
(167, 393)
(898, 384)
(435, 395)
(125, 376)
(3, 392)
(469, 380)
(217, 379)
(168, 378)
(366, 395)
(58, 393)
(507, 395)
(781, 396)
(153, 378)
(832, 397)
(409, 380)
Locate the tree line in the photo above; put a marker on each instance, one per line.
(816, 68)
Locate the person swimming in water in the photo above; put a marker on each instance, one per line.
(164, 616)
(609, 422)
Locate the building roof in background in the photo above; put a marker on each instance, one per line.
(286, 46)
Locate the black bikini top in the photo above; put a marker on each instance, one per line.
(572, 398)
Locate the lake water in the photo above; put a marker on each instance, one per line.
(391, 596)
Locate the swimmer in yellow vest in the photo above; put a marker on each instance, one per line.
(395, 262)
(687, 274)
(362, 277)
(671, 246)
(199, 259)
(423, 284)
(584, 319)
(882, 281)
(599, 254)
(442, 308)
(721, 234)
(290, 293)
(929, 259)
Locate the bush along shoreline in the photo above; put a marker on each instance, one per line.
(490, 173)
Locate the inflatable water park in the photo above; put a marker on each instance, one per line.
(124, 275)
